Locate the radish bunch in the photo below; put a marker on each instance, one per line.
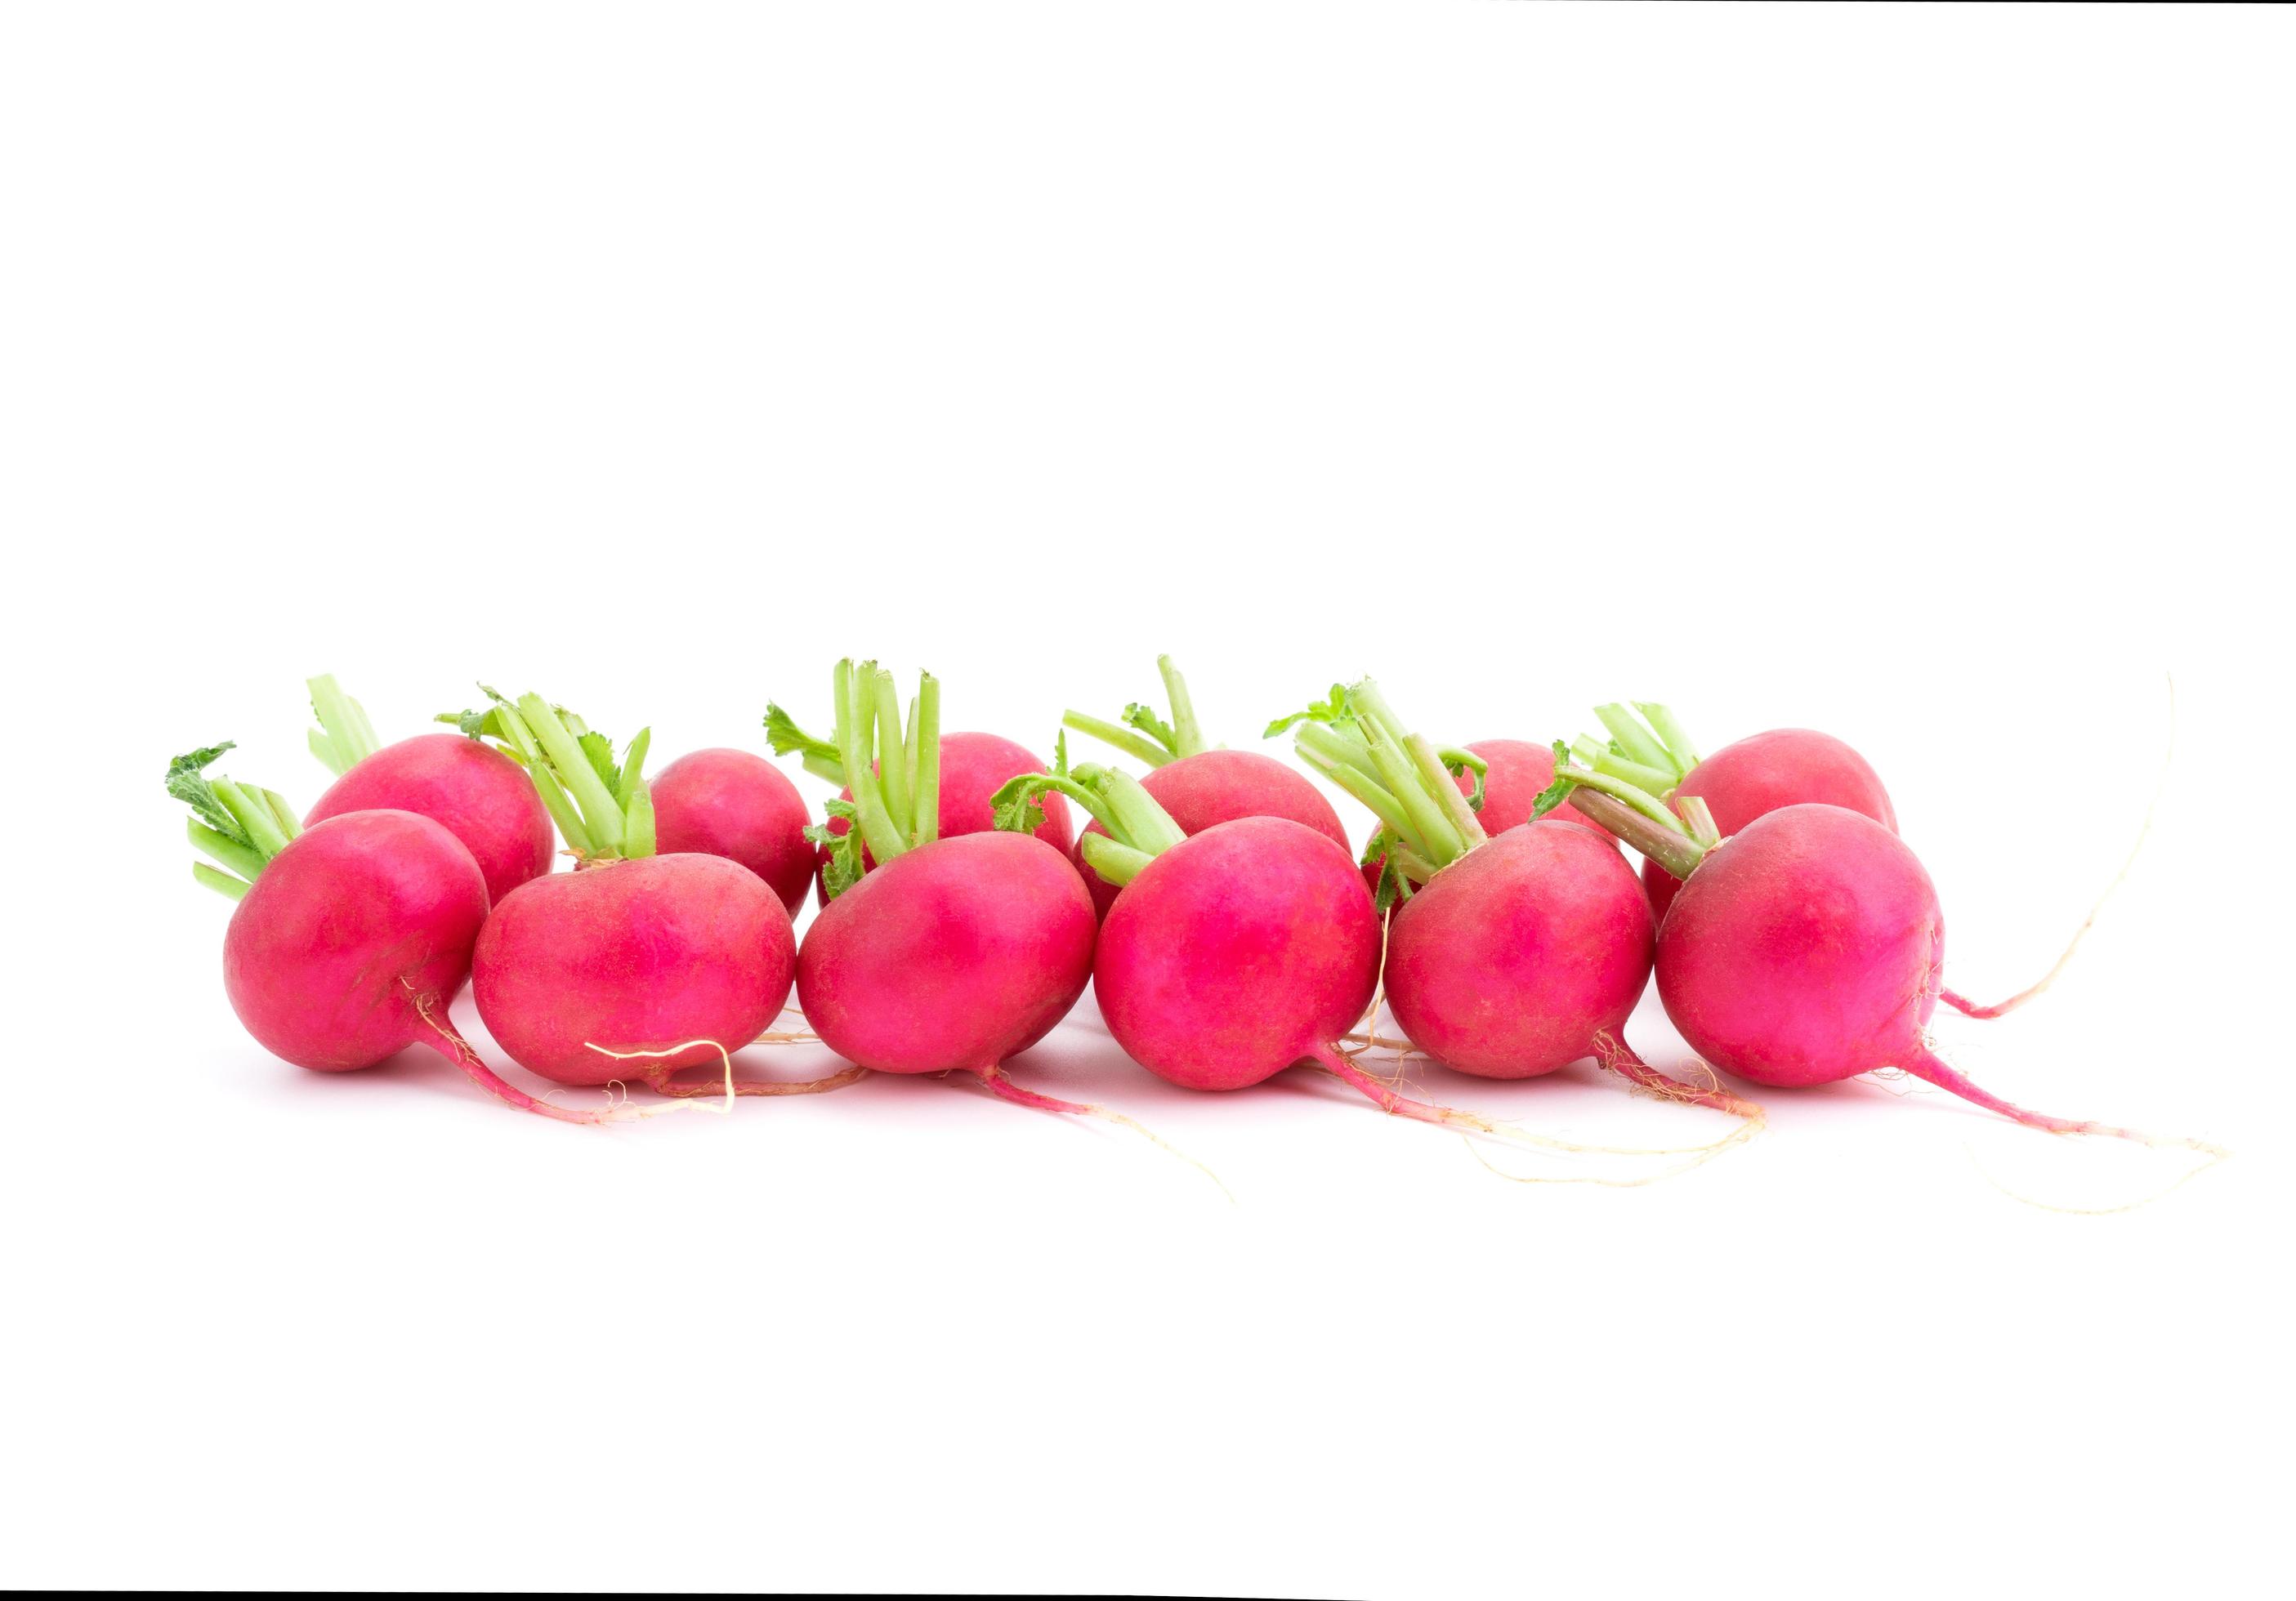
(1507, 956)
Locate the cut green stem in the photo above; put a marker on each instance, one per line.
(1142, 735)
(344, 737)
(891, 769)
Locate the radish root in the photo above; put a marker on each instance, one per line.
(1970, 1009)
(458, 1051)
(993, 1077)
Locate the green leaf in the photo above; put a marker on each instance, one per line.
(844, 867)
(1144, 719)
(783, 734)
(1457, 762)
(1559, 791)
(1331, 711)
(187, 782)
(599, 751)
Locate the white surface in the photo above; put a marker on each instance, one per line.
(1920, 377)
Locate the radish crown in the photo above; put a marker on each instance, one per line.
(241, 826)
(1653, 752)
(344, 737)
(1676, 837)
(1139, 829)
(892, 771)
(603, 808)
(1355, 739)
(1143, 734)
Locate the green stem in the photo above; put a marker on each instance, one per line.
(1634, 795)
(1668, 728)
(1131, 742)
(254, 815)
(1431, 828)
(1140, 821)
(856, 723)
(222, 883)
(601, 815)
(1657, 780)
(893, 759)
(1366, 787)
(1336, 746)
(349, 737)
(1185, 732)
(925, 758)
(1118, 864)
(1636, 741)
(239, 858)
(1676, 852)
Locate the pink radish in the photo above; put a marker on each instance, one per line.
(670, 959)
(722, 802)
(939, 954)
(478, 794)
(1507, 956)
(1197, 784)
(973, 766)
(1802, 950)
(351, 938)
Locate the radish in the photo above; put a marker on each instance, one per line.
(1198, 785)
(722, 802)
(933, 954)
(675, 959)
(478, 794)
(1507, 956)
(1740, 782)
(351, 938)
(1802, 950)
(973, 766)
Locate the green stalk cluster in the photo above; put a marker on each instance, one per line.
(1142, 734)
(1356, 740)
(1139, 829)
(603, 808)
(1676, 838)
(1651, 752)
(344, 737)
(891, 768)
(241, 826)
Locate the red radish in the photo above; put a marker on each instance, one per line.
(671, 959)
(479, 795)
(351, 938)
(973, 767)
(1197, 784)
(944, 955)
(1509, 956)
(1803, 949)
(722, 802)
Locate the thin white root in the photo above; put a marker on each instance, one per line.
(687, 1104)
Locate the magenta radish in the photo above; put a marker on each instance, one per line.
(1802, 950)
(478, 794)
(1738, 783)
(722, 802)
(941, 954)
(1197, 784)
(351, 938)
(1507, 955)
(973, 766)
(666, 960)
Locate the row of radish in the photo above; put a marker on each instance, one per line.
(1213, 902)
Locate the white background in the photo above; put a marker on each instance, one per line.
(1922, 376)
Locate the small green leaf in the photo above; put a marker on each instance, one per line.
(599, 751)
(1331, 710)
(844, 867)
(783, 734)
(187, 782)
(1144, 719)
(1559, 791)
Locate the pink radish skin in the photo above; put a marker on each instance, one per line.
(1755, 776)
(1806, 950)
(1527, 954)
(1239, 953)
(951, 957)
(482, 797)
(1222, 786)
(353, 941)
(728, 802)
(973, 767)
(633, 956)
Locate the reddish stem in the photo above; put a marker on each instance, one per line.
(1927, 1065)
(1616, 1056)
(457, 1051)
(1970, 1009)
(1400, 1106)
(665, 1084)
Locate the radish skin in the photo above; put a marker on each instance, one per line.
(722, 802)
(1214, 787)
(479, 794)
